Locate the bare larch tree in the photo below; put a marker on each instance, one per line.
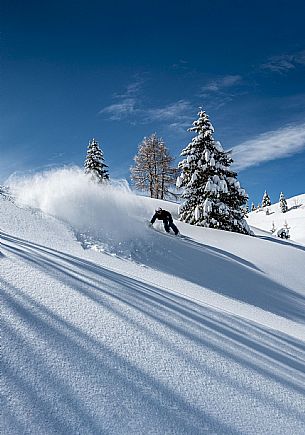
(152, 171)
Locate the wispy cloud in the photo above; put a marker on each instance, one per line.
(285, 62)
(181, 65)
(127, 102)
(221, 90)
(120, 110)
(221, 83)
(178, 116)
(132, 90)
(268, 146)
(129, 105)
(178, 111)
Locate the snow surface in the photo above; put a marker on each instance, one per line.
(110, 327)
(294, 218)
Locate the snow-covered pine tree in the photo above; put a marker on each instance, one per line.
(212, 195)
(283, 203)
(247, 209)
(253, 208)
(266, 202)
(95, 163)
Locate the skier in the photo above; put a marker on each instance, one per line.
(166, 217)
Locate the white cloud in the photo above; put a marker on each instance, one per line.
(285, 62)
(268, 146)
(176, 114)
(129, 105)
(132, 90)
(221, 83)
(127, 102)
(120, 110)
(178, 111)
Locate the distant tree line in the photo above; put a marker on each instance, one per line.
(266, 202)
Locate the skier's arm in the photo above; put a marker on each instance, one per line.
(153, 218)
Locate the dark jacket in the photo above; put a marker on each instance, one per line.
(162, 215)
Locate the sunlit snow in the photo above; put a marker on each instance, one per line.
(113, 327)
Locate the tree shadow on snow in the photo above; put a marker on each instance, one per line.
(91, 388)
(282, 242)
(73, 380)
(228, 275)
(217, 270)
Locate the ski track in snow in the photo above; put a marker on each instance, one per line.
(203, 334)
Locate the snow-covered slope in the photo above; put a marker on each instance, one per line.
(153, 334)
(294, 218)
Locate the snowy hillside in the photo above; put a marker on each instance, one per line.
(112, 327)
(294, 218)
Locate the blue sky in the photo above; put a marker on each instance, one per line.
(73, 70)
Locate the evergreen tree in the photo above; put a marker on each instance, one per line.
(283, 203)
(212, 195)
(95, 163)
(266, 200)
(253, 208)
(152, 171)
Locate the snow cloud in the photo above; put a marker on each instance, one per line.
(269, 146)
(111, 214)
